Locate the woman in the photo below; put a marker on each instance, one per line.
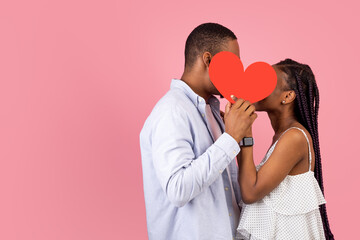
(282, 195)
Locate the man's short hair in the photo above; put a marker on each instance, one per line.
(207, 37)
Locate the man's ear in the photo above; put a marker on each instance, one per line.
(206, 58)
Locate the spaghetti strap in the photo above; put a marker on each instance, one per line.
(289, 211)
(307, 139)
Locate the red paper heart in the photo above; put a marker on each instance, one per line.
(227, 74)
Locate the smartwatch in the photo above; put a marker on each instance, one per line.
(247, 142)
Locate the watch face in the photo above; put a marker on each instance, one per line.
(248, 141)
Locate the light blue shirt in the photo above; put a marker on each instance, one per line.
(186, 185)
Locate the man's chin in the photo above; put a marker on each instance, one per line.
(216, 93)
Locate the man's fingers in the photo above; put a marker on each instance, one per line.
(222, 113)
(234, 98)
(238, 102)
(245, 105)
(251, 109)
(227, 108)
(253, 117)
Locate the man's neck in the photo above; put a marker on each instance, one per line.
(195, 83)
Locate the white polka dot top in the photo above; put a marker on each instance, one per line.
(290, 211)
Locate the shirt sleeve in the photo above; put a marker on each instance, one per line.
(182, 176)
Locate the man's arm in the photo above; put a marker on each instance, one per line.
(182, 176)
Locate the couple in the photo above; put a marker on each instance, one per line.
(193, 187)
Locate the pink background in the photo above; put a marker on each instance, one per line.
(78, 79)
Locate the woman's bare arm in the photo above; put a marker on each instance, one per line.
(290, 150)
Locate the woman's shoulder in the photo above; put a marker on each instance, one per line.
(297, 142)
(294, 137)
(292, 143)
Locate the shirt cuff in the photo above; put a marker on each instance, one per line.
(229, 145)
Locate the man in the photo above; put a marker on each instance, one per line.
(188, 155)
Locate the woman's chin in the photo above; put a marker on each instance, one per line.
(259, 108)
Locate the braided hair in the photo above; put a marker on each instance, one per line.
(302, 81)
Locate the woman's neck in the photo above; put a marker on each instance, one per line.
(281, 121)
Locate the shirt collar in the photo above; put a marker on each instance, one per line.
(195, 98)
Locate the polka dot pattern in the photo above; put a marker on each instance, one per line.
(290, 211)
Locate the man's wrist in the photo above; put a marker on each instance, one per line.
(235, 138)
(229, 145)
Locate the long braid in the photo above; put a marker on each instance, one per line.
(304, 103)
(302, 81)
(318, 175)
(318, 171)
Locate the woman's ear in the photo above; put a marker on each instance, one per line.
(290, 96)
(206, 58)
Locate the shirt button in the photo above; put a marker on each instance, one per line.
(230, 214)
(234, 152)
(226, 188)
(203, 115)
